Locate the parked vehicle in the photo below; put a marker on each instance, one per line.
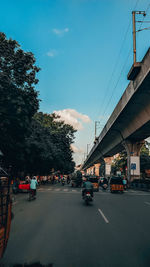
(21, 186)
(24, 187)
(116, 184)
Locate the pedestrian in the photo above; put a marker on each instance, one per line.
(124, 183)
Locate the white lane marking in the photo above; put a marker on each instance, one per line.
(104, 217)
(50, 189)
(147, 203)
(74, 190)
(58, 189)
(65, 190)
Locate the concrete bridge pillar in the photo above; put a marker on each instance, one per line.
(108, 162)
(88, 171)
(97, 166)
(92, 170)
(133, 159)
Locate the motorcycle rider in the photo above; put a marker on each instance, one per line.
(63, 180)
(33, 184)
(87, 186)
(68, 179)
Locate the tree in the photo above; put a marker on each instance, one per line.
(144, 159)
(120, 163)
(19, 100)
(48, 145)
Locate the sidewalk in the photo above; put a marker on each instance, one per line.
(140, 188)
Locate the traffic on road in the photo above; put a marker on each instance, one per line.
(62, 228)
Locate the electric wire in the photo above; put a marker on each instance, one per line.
(112, 75)
(124, 64)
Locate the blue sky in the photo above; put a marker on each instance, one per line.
(84, 50)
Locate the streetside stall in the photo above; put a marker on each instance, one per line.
(5, 210)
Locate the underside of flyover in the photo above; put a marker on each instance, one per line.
(130, 120)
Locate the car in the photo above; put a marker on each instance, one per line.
(24, 187)
(21, 186)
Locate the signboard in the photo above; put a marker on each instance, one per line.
(135, 165)
(107, 169)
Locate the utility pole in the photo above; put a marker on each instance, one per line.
(134, 32)
(134, 37)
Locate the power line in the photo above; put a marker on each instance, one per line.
(112, 75)
(109, 101)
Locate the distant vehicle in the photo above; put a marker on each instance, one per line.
(87, 197)
(21, 187)
(101, 179)
(116, 184)
(76, 183)
(94, 181)
(76, 180)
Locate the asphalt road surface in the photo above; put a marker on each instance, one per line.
(59, 229)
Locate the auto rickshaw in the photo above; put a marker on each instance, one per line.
(116, 184)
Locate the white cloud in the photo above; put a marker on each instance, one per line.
(61, 32)
(72, 117)
(52, 53)
(75, 149)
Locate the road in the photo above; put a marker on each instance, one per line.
(59, 229)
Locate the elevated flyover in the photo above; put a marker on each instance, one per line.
(129, 123)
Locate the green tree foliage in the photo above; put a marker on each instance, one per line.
(30, 141)
(144, 158)
(48, 145)
(120, 163)
(19, 100)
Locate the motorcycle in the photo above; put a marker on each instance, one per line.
(105, 186)
(32, 195)
(87, 197)
(63, 182)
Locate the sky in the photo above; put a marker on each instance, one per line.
(84, 50)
